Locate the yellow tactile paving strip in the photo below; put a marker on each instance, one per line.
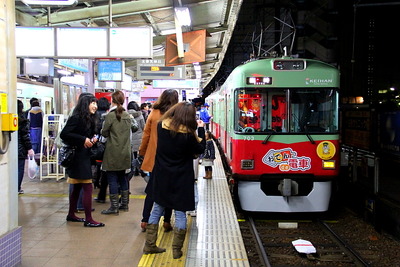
(164, 240)
(65, 195)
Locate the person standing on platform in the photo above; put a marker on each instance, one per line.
(205, 116)
(117, 155)
(208, 156)
(101, 176)
(35, 117)
(144, 109)
(173, 173)
(79, 131)
(30, 102)
(24, 144)
(147, 152)
(136, 138)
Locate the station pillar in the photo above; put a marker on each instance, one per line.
(10, 232)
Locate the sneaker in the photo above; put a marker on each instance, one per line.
(20, 192)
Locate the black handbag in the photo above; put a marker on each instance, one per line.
(97, 151)
(66, 155)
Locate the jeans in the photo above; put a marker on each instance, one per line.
(158, 211)
(21, 170)
(36, 139)
(116, 180)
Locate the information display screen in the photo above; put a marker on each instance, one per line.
(34, 42)
(131, 42)
(110, 70)
(81, 42)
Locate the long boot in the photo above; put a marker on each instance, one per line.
(209, 174)
(167, 227)
(150, 246)
(113, 209)
(124, 200)
(177, 242)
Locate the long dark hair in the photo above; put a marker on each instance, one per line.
(182, 113)
(167, 99)
(20, 107)
(118, 98)
(82, 110)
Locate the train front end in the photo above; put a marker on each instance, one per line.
(281, 134)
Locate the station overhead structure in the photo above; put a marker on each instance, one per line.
(198, 46)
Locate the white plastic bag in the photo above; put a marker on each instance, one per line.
(304, 246)
(32, 167)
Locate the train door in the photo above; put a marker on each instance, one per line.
(228, 137)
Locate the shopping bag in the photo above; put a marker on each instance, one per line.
(33, 168)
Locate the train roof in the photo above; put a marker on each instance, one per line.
(306, 73)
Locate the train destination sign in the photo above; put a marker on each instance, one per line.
(161, 72)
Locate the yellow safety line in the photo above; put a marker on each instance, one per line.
(164, 240)
(66, 195)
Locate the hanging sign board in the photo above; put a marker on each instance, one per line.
(50, 2)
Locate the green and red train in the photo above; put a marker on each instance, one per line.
(277, 121)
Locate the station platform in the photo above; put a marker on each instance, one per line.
(213, 236)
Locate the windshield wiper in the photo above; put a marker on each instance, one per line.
(308, 135)
(267, 138)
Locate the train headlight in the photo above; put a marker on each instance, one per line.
(259, 80)
(328, 164)
(247, 164)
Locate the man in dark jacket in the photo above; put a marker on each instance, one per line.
(24, 144)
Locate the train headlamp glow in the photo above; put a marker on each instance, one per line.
(247, 164)
(259, 80)
(328, 164)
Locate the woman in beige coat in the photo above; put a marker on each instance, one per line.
(148, 148)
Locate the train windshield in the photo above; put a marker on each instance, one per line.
(294, 110)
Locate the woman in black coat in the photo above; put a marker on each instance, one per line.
(173, 173)
(24, 144)
(79, 131)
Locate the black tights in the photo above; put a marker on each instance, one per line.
(208, 168)
(86, 200)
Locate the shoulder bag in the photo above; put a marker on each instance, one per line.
(66, 155)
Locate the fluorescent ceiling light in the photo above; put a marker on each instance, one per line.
(168, 32)
(64, 72)
(183, 15)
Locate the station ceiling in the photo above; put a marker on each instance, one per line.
(217, 17)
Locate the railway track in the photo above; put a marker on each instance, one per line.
(270, 246)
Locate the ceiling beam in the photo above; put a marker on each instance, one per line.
(101, 12)
(149, 19)
(23, 19)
